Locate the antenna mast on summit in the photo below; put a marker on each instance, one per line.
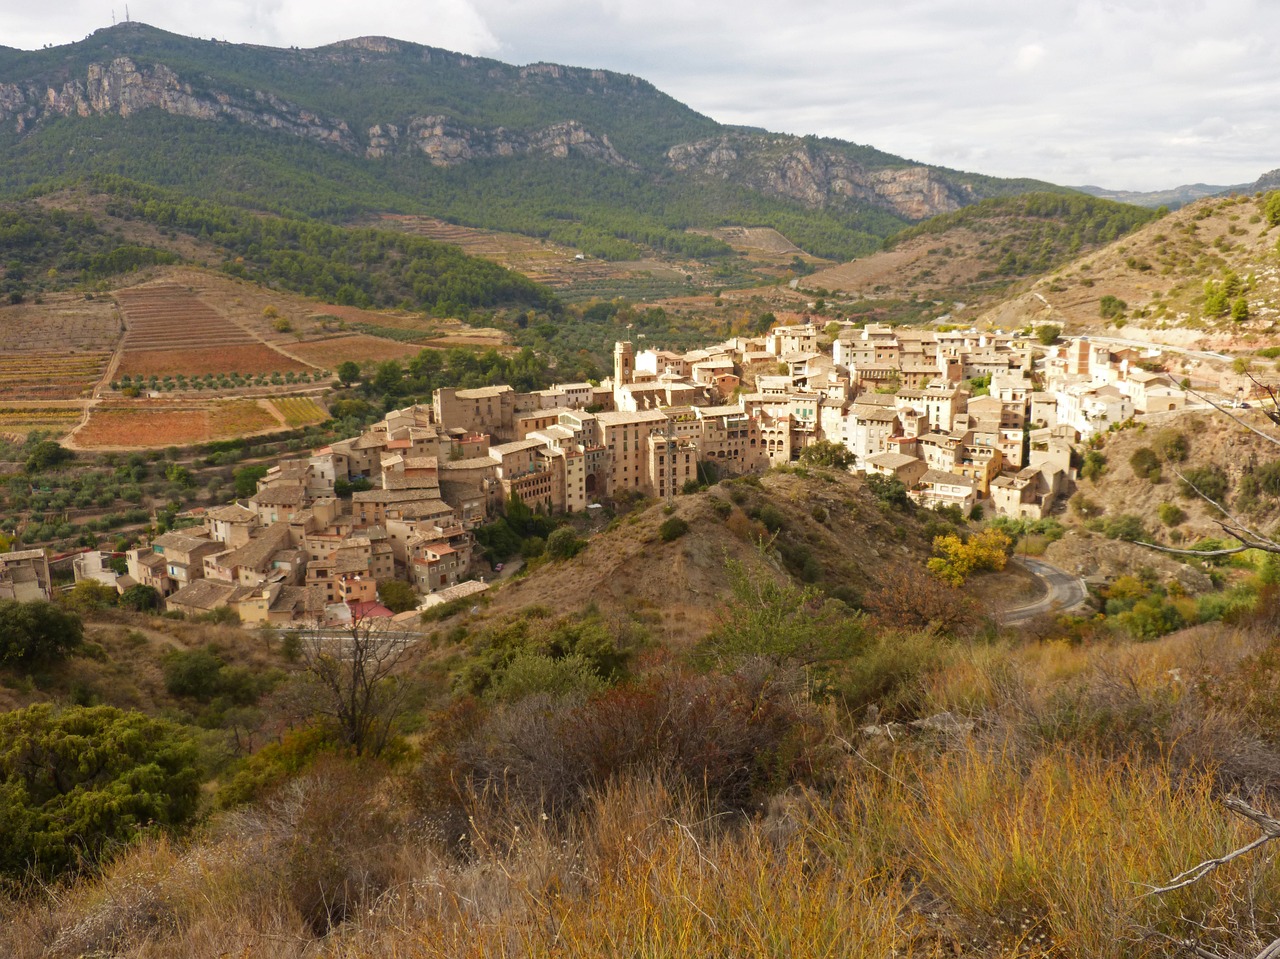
(126, 13)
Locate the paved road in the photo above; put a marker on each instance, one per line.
(1065, 591)
(1164, 347)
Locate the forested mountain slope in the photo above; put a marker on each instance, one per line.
(590, 157)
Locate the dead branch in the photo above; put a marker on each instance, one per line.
(1236, 419)
(1270, 830)
(1234, 526)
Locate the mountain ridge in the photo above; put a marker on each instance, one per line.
(390, 109)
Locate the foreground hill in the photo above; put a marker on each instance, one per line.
(374, 125)
(973, 255)
(827, 528)
(1205, 275)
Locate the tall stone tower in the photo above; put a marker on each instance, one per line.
(624, 364)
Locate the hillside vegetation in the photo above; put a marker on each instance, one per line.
(975, 254)
(360, 267)
(778, 772)
(1208, 274)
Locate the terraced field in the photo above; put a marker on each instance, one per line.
(157, 423)
(359, 347)
(38, 375)
(540, 261)
(64, 322)
(17, 421)
(169, 330)
(300, 411)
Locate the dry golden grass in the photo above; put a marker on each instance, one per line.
(972, 851)
(1038, 834)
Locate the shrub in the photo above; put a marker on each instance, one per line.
(534, 673)
(957, 559)
(1048, 333)
(1268, 477)
(903, 599)
(141, 598)
(74, 781)
(1170, 445)
(1204, 481)
(37, 633)
(745, 528)
(889, 490)
(734, 738)
(201, 674)
(672, 528)
(397, 595)
(772, 517)
(1095, 464)
(1084, 507)
(1171, 514)
(586, 639)
(1145, 464)
(332, 838)
(827, 454)
(1126, 527)
(564, 543)
(47, 455)
(1111, 307)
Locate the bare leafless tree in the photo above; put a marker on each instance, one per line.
(355, 668)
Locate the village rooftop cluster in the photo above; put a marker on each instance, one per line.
(898, 399)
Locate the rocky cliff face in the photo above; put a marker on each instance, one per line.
(123, 88)
(818, 177)
(447, 143)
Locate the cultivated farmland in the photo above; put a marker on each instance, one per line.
(178, 424)
(300, 411)
(18, 421)
(359, 348)
(65, 322)
(48, 375)
(171, 331)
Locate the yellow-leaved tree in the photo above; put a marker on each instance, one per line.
(956, 558)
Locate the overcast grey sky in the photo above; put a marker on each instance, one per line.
(1127, 94)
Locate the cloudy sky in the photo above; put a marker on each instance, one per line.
(1127, 94)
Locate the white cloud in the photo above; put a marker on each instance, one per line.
(1028, 58)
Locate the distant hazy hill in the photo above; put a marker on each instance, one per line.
(600, 160)
(1178, 196)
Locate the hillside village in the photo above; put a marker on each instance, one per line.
(960, 418)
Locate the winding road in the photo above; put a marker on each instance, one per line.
(1065, 592)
